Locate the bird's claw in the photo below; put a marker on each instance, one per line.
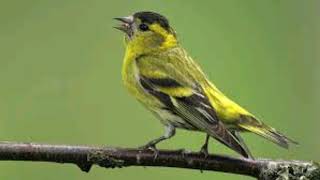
(204, 151)
(151, 147)
(145, 147)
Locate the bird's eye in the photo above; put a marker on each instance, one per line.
(143, 27)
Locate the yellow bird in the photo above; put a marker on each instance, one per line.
(168, 82)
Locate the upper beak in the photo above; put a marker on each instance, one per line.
(126, 24)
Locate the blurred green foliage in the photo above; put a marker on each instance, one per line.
(60, 79)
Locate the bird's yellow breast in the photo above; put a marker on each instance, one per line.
(136, 48)
(130, 78)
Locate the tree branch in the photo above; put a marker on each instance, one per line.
(85, 157)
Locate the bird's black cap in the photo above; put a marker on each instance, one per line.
(152, 17)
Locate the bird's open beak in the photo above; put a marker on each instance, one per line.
(126, 25)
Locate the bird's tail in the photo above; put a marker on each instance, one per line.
(253, 125)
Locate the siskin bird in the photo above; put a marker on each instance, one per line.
(168, 82)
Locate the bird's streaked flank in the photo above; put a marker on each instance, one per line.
(168, 82)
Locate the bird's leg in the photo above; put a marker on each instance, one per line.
(169, 132)
(204, 148)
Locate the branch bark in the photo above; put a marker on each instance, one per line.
(86, 156)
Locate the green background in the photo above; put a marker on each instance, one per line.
(60, 81)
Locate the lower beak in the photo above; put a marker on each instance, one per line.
(126, 24)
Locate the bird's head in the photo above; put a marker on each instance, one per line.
(147, 31)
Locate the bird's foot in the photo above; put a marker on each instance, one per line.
(152, 147)
(204, 151)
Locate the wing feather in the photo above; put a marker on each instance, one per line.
(179, 92)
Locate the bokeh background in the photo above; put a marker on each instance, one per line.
(60, 81)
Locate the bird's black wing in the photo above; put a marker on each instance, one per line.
(194, 108)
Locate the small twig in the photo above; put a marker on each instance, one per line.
(85, 157)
